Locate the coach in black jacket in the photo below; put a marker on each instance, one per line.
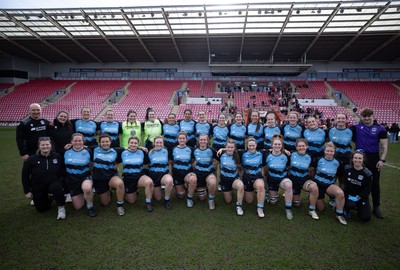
(29, 130)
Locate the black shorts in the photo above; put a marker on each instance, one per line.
(131, 182)
(273, 183)
(76, 188)
(322, 187)
(248, 181)
(201, 178)
(156, 177)
(101, 185)
(226, 183)
(298, 184)
(179, 176)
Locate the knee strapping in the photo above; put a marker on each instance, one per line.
(201, 192)
(274, 199)
(296, 201)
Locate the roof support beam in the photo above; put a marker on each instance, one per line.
(383, 45)
(137, 35)
(94, 25)
(321, 30)
(281, 32)
(207, 34)
(172, 34)
(33, 33)
(243, 34)
(374, 18)
(25, 49)
(68, 34)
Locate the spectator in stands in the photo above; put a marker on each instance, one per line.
(111, 127)
(292, 131)
(238, 131)
(270, 130)
(77, 161)
(300, 162)
(29, 130)
(87, 127)
(202, 126)
(189, 125)
(105, 173)
(325, 178)
(372, 139)
(152, 127)
(159, 171)
(131, 127)
(394, 131)
(205, 158)
(255, 129)
(133, 175)
(357, 187)
(183, 158)
(252, 163)
(41, 176)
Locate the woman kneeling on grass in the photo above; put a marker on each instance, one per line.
(252, 162)
(325, 178)
(79, 180)
(205, 171)
(183, 158)
(41, 176)
(159, 171)
(133, 175)
(105, 173)
(357, 187)
(300, 163)
(229, 166)
(277, 176)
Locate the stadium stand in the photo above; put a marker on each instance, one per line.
(382, 97)
(84, 93)
(14, 105)
(144, 94)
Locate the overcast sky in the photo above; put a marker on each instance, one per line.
(22, 4)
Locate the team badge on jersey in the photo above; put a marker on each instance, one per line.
(55, 161)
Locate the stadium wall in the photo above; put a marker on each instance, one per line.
(16, 63)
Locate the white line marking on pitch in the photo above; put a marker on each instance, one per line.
(391, 166)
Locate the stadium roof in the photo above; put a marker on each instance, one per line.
(270, 32)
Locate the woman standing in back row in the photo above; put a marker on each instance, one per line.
(189, 125)
(131, 127)
(111, 127)
(292, 131)
(152, 128)
(255, 129)
(238, 131)
(87, 127)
